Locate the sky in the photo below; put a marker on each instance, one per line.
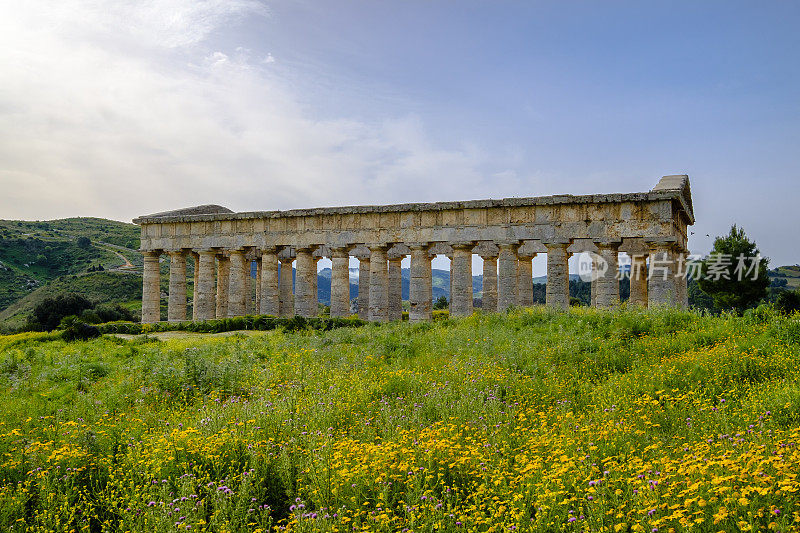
(121, 108)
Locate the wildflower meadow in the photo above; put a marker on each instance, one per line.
(529, 421)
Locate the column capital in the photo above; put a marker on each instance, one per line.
(508, 245)
(463, 245)
(557, 243)
(664, 242)
(488, 256)
(311, 248)
(267, 250)
(421, 246)
(608, 244)
(340, 251)
(151, 253)
(378, 246)
(176, 253)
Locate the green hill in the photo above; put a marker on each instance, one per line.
(99, 287)
(34, 253)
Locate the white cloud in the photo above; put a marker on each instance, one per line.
(119, 109)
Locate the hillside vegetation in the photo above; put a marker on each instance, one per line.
(533, 421)
(98, 287)
(39, 259)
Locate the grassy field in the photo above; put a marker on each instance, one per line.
(532, 421)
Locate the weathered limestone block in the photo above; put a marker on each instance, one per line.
(340, 282)
(638, 279)
(206, 295)
(421, 289)
(151, 289)
(595, 277)
(223, 283)
(557, 290)
(490, 284)
(270, 283)
(378, 284)
(286, 282)
(525, 281)
(363, 288)
(507, 277)
(661, 288)
(176, 311)
(395, 309)
(461, 267)
(237, 303)
(305, 298)
(608, 282)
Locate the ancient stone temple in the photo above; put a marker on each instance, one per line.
(651, 227)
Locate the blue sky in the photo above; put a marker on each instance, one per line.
(118, 109)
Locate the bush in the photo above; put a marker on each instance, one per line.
(47, 315)
(74, 329)
(788, 302)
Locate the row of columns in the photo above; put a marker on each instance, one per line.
(222, 282)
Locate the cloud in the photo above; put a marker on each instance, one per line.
(119, 109)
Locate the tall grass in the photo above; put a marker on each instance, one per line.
(626, 420)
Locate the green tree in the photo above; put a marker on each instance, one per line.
(441, 303)
(734, 274)
(48, 313)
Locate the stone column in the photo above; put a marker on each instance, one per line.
(638, 278)
(270, 283)
(195, 283)
(315, 288)
(340, 282)
(490, 284)
(557, 292)
(525, 280)
(378, 283)
(363, 288)
(151, 288)
(452, 275)
(507, 277)
(661, 276)
(305, 301)
(286, 296)
(237, 284)
(223, 283)
(395, 292)
(258, 285)
(205, 299)
(421, 289)
(461, 267)
(176, 310)
(595, 275)
(248, 286)
(681, 283)
(607, 283)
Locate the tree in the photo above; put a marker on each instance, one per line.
(83, 242)
(441, 303)
(788, 302)
(48, 313)
(734, 274)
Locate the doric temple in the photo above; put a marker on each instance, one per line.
(651, 227)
